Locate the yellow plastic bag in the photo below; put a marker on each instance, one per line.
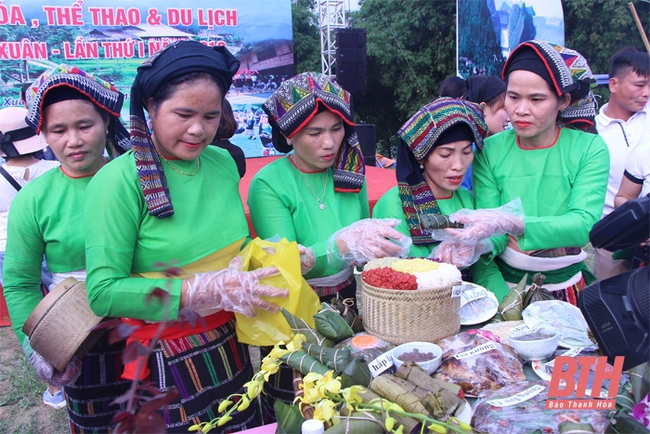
(266, 328)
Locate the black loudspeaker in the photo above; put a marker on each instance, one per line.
(351, 55)
(351, 60)
(368, 142)
(351, 38)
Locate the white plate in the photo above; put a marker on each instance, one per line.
(468, 318)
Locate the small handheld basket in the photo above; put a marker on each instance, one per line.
(60, 325)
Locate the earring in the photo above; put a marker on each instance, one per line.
(421, 167)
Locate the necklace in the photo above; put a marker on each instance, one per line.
(198, 166)
(304, 178)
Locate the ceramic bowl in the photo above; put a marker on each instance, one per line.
(540, 344)
(424, 347)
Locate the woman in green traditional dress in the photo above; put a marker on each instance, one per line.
(559, 173)
(175, 200)
(433, 156)
(78, 114)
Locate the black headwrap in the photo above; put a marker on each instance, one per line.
(172, 62)
(441, 121)
(566, 70)
(484, 88)
(69, 82)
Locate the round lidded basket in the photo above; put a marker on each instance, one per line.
(401, 316)
(60, 325)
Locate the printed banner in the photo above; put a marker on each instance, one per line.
(488, 30)
(111, 41)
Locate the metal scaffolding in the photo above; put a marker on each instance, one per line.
(331, 17)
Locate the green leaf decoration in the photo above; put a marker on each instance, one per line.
(356, 372)
(623, 423)
(576, 428)
(299, 326)
(513, 303)
(337, 360)
(289, 418)
(331, 324)
(359, 422)
(304, 363)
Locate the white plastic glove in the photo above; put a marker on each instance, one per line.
(368, 239)
(461, 255)
(48, 373)
(307, 259)
(234, 290)
(481, 224)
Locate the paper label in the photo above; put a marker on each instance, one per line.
(458, 290)
(522, 396)
(518, 329)
(478, 350)
(471, 295)
(381, 364)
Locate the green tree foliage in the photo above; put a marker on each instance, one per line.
(411, 49)
(306, 37)
(599, 28)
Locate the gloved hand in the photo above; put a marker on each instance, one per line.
(481, 224)
(462, 255)
(48, 373)
(307, 259)
(368, 239)
(234, 290)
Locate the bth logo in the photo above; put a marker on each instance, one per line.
(565, 372)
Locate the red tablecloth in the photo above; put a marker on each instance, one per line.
(379, 181)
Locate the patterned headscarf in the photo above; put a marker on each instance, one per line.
(101, 93)
(419, 135)
(172, 62)
(296, 102)
(566, 70)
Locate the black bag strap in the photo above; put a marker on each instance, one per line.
(10, 178)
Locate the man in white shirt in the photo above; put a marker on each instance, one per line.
(624, 123)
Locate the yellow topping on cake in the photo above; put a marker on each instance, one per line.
(415, 265)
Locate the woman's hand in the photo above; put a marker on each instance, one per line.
(233, 289)
(50, 375)
(461, 255)
(369, 239)
(307, 259)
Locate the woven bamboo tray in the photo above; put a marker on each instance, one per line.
(60, 325)
(397, 316)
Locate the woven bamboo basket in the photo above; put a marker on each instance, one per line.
(396, 316)
(60, 325)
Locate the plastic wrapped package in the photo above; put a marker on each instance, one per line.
(476, 363)
(563, 317)
(520, 409)
(365, 345)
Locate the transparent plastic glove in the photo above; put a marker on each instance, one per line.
(307, 259)
(462, 255)
(48, 373)
(234, 290)
(481, 224)
(366, 240)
